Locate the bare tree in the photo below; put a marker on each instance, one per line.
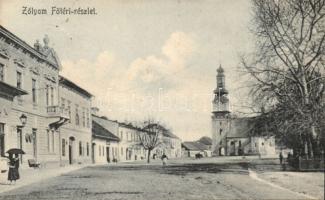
(149, 136)
(288, 66)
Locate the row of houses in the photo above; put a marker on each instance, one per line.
(51, 118)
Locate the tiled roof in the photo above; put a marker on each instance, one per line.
(100, 132)
(195, 146)
(109, 125)
(74, 86)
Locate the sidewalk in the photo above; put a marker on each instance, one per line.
(29, 176)
(308, 183)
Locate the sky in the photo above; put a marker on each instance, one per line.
(146, 59)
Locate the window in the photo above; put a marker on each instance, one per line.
(77, 115)
(87, 149)
(100, 150)
(69, 110)
(88, 123)
(103, 150)
(121, 135)
(19, 80)
(122, 151)
(62, 103)
(220, 131)
(47, 95)
(52, 96)
(262, 143)
(2, 72)
(239, 143)
(2, 139)
(80, 148)
(220, 143)
(34, 90)
(83, 117)
(63, 147)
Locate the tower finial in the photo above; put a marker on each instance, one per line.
(220, 69)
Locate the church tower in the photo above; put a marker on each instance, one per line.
(220, 115)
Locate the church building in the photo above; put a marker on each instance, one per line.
(231, 136)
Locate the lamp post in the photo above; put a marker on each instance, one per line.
(23, 121)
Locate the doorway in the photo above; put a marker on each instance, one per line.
(93, 152)
(71, 148)
(107, 155)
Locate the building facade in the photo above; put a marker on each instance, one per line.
(75, 134)
(231, 136)
(104, 143)
(31, 116)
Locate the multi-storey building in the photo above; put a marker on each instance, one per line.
(169, 144)
(130, 145)
(31, 117)
(75, 135)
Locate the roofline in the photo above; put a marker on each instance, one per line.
(62, 81)
(26, 46)
(108, 138)
(104, 119)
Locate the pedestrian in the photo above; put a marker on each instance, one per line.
(164, 159)
(13, 173)
(281, 157)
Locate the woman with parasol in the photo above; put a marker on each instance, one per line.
(13, 173)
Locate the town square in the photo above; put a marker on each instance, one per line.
(171, 99)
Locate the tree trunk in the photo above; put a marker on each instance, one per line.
(149, 152)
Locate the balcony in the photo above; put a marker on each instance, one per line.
(57, 115)
(57, 111)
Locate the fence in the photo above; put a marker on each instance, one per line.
(304, 164)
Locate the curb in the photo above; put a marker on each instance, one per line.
(254, 176)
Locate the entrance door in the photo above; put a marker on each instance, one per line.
(2, 139)
(107, 155)
(93, 152)
(71, 145)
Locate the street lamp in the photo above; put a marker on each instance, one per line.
(23, 119)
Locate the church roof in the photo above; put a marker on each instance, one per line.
(240, 127)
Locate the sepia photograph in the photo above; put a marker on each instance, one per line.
(162, 99)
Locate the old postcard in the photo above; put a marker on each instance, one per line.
(162, 99)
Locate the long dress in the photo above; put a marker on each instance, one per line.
(13, 173)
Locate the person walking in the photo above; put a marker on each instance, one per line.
(281, 157)
(164, 159)
(13, 173)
